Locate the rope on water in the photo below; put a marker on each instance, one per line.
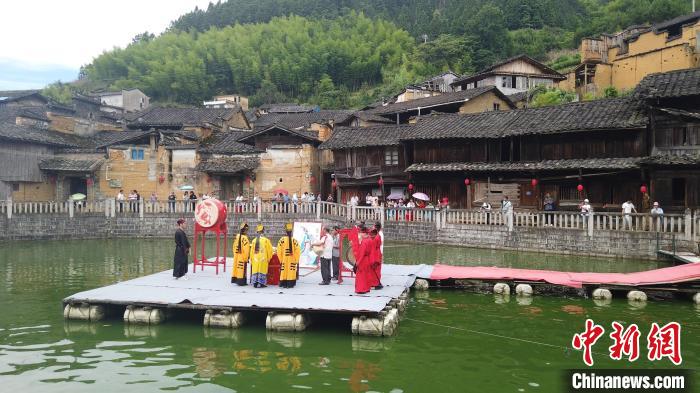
(566, 349)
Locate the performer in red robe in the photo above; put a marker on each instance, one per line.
(362, 250)
(375, 271)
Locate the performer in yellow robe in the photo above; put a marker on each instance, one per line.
(288, 252)
(241, 252)
(260, 255)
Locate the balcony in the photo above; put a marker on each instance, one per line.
(368, 171)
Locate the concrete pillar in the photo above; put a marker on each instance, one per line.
(223, 319)
(9, 208)
(509, 219)
(590, 224)
(318, 210)
(383, 215)
(383, 325)
(421, 284)
(688, 225)
(602, 293)
(259, 208)
(523, 290)
(143, 315)
(141, 205)
(84, 312)
(696, 298)
(501, 288)
(71, 209)
(286, 322)
(637, 296)
(108, 207)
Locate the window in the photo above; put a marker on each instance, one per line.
(506, 81)
(496, 106)
(137, 154)
(15, 187)
(391, 156)
(678, 191)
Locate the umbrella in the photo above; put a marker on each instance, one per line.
(77, 197)
(396, 196)
(186, 188)
(421, 196)
(280, 191)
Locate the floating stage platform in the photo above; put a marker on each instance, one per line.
(151, 298)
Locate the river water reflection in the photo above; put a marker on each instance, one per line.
(450, 341)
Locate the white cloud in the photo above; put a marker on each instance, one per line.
(50, 33)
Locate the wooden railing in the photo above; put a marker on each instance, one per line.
(687, 225)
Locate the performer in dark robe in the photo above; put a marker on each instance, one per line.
(241, 253)
(375, 271)
(288, 252)
(182, 249)
(362, 250)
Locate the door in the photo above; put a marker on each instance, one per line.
(528, 195)
(78, 185)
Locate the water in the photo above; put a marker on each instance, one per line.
(450, 341)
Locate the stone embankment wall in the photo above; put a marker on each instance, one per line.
(555, 240)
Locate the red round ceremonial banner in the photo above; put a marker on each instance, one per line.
(210, 212)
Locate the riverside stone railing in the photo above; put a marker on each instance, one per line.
(686, 226)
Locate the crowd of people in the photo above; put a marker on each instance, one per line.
(257, 251)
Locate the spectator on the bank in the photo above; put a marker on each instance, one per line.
(295, 199)
(171, 201)
(368, 199)
(657, 216)
(330, 198)
(120, 200)
(154, 198)
(133, 197)
(193, 200)
(205, 196)
(627, 209)
(586, 210)
(486, 208)
(411, 204)
(506, 205)
(548, 204)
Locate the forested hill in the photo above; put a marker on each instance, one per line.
(456, 17)
(348, 53)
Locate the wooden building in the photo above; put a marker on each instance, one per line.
(482, 99)
(514, 75)
(673, 102)
(363, 155)
(203, 121)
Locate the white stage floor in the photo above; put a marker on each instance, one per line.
(205, 289)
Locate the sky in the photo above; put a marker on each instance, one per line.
(48, 40)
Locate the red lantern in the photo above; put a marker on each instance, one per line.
(161, 179)
(334, 184)
(534, 182)
(52, 179)
(410, 187)
(89, 182)
(579, 187)
(467, 181)
(208, 179)
(643, 189)
(312, 179)
(380, 182)
(247, 180)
